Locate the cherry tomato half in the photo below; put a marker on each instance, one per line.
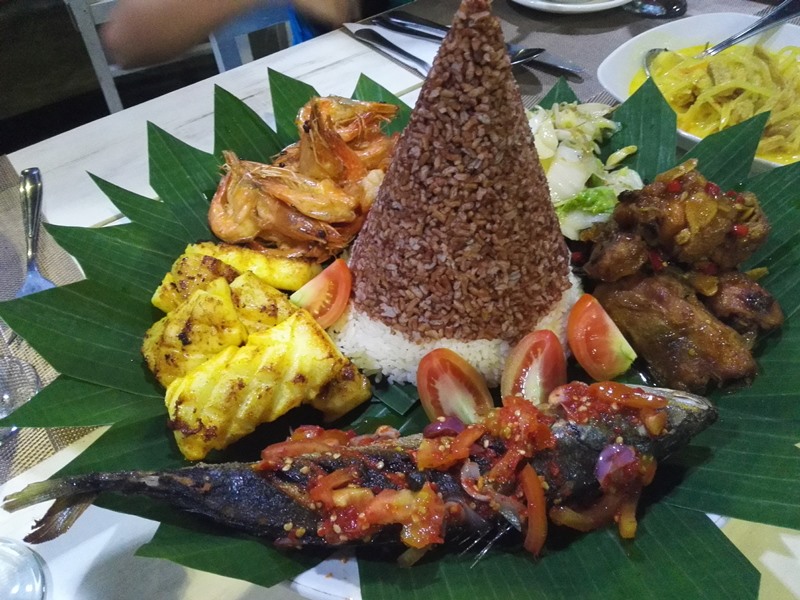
(596, 342)
(326, 296)
(535, 367)
(451, 387)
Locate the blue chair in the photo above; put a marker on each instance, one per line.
(231, 43)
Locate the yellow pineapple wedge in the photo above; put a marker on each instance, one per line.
(202, 263)
(281, 368)
(190, 272)
(259, 305)
(288, 274)
(189, 335)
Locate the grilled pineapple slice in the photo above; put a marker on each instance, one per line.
(234, 352)
(202, 263)
(228, 396)
(259, 305)
(343, 394)
(283, 273)
(189, 335)
(190, 272)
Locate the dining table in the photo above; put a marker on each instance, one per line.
(97, 558)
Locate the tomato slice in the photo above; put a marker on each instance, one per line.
(443, 452)
(626, 395)
(323, 488)
(536, 508)
(535, 367)
(327, 294)
(422, 514)
(596, 341)
(449, 386)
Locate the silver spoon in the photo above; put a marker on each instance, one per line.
(660, 9)
(30, 188)
(786, 10)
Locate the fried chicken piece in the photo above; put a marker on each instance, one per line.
(692, 221)
(616, 254)
(685, 346)
(743, 304)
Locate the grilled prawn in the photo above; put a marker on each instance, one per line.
(313, 199)
(581, 460)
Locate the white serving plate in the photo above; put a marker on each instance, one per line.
(618, 69)
(572, 6)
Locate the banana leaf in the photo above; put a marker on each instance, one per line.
(746, 467)
(560, 92)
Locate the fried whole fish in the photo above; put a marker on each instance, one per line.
(593, 448)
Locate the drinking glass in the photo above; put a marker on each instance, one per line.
(23, 574)
(18, 381)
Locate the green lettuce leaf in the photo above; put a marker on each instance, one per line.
(580, 212)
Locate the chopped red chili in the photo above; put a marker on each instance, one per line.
(657, 261)
(735, 196)
(536, 510)
(624, 395)
(675, 186)
(712, 189)
(443, 452)
(308, 439)
(583, 403)
(322, 489)
(524, 430)
(420, 513)
(707, 268)
(740, 230)
(274, 457)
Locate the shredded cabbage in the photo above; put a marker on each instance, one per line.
(592, 205)
(710, 94)
(583, 190)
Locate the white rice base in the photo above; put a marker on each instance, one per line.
(376, 348)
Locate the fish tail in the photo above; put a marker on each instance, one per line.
(70, 503)
(59, 518)
(35, 493)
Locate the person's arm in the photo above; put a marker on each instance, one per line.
(146, 32)
(331, 13)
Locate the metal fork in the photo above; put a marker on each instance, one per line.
(30, 188)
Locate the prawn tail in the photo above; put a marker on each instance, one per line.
(69, 505)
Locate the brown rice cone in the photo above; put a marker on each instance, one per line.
(462, 243)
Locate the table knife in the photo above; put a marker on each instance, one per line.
(372, 37)
(405, 22)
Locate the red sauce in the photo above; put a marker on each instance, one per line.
(604, 402)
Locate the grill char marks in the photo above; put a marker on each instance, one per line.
(462, 242)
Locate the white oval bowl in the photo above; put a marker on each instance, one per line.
(571, 6)
(616, 72)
